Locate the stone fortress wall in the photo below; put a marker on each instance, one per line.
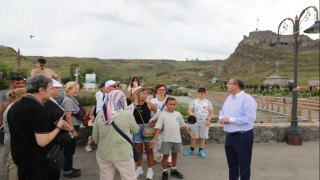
(264, 38)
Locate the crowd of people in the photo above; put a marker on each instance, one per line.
(37, 117)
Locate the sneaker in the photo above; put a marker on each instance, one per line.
(202, 154)
(176, 173)
(76, 170)
(188, 152)
(149, 175)
(139, 171)
(165, 175)
(72, 174)
(88, 148)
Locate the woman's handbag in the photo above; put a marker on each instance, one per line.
(136, 154)
(86, 120)
(55, 158)
(147, 131)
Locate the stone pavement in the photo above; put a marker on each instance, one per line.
(271, 161)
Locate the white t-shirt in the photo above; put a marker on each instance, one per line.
(170, 123)
(159, 104)
(201, 109)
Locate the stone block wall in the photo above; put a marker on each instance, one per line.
(263, 133)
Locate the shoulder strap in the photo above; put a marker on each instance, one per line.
(121, 133)
(73, 100)
(162, 106)
(141, 117)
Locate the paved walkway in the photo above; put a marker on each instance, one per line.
(271, 161)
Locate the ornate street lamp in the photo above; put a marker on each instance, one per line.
(293, 135)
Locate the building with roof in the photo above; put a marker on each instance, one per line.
(279, 80)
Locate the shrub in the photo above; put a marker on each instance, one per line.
(264, 92)
(183, 109)
(177, 92)
(86, 99)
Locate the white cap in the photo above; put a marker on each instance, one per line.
(56, 83)
(109, 83)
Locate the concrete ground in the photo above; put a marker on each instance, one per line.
(271, 161)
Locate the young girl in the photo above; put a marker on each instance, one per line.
(170, 123)
(135, 82)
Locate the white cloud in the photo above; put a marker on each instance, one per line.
(133, 29)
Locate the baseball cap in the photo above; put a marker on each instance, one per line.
(56, 83)
(109, 83)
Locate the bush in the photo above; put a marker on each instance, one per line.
(183, 109)
(86, 99)
(176, 92)
(315, 91)
(264, 92)
(189, 86)
(185, 93)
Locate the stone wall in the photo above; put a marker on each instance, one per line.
(264, 38)
(273, 132)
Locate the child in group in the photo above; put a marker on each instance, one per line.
(202, 109)
(170, 122)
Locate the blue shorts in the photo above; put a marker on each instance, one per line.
(138, 137)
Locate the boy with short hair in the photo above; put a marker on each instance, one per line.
(170, 122)
(202, 109)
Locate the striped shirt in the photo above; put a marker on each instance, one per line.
(241, 110)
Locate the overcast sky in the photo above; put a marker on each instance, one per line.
(135, 29)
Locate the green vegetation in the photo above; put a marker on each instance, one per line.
(183, 109)
(177, 92)
(86, 99)
(252, 63)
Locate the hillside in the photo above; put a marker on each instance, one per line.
(253, 60)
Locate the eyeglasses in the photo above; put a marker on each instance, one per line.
(161, 90)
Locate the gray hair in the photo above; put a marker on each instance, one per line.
(36, 82)
(239, 81)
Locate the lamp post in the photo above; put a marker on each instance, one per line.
(293, 135)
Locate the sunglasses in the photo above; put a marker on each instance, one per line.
(115, 86)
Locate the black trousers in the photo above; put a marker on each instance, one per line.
(239, 152)
(69, 151)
